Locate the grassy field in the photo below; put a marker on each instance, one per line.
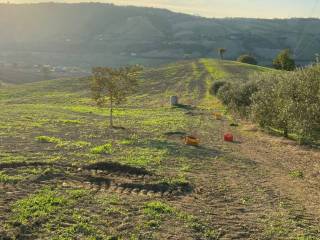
(65, 175)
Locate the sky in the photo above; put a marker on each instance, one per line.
(221, 8)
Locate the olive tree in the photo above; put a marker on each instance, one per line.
(307, 102)
(247, 59)
(113, 85)
(284, 61)
(271, 104)
(289, 101)
(221, 52)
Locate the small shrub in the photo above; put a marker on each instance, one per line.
(103, 149)
(247, 59)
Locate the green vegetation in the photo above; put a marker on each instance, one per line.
(103, 149)
(37, 207)
(46, 139)
(4, 178)
(296, 174)
(284, 61)
(216, 87)
(158, 211)
(222, 51)
(62, 143)
(247, 59)
(113, 85)
(285, 101)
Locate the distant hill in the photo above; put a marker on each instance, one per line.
(102, 34)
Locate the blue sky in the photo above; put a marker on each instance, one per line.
(225, 8)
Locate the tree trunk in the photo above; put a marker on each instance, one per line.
(285, 132)
(111, 112)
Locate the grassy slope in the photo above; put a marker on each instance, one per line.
(51, 132)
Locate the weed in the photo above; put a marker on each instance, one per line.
(296, 174)
(4, 178)
(46, 139)
(103, 149)
(156, 209)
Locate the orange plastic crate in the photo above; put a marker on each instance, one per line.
(217, 115)
(190, 140)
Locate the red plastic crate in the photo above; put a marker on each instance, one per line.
(228, 137)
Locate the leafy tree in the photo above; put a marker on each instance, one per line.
(284, 61)
(216, 86)
(247, 59)
(306, 86)
(222, 51)
(113, 85)
(237, 96)
(289, 102)
(271, 105)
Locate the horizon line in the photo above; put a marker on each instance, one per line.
(158, 8)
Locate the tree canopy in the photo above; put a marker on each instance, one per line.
(284, 61)
(113, 85)
(246, 58)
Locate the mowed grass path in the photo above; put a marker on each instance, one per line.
(65, 175)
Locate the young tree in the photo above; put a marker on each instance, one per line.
(222, 51)
(113, 85)
(284, 61)
(247, 59)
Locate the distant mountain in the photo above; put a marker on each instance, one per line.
(90, 34)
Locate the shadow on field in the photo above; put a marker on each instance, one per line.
(117, 167)
(99, 180)
(182, 188)
(184, 106)
(25, 164)
(179, 150)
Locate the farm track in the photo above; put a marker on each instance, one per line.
(241, 193)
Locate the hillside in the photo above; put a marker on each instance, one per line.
(64, 174)
(102, 34)
(189, 80)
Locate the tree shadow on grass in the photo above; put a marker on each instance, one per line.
(184, 106)
(118, 168)
(179, 150)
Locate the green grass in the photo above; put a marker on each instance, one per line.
(60, 143)
(46, 139)
(296, 174)
(7, 179)
(103, 149)
(158, 211)
(38, 207)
